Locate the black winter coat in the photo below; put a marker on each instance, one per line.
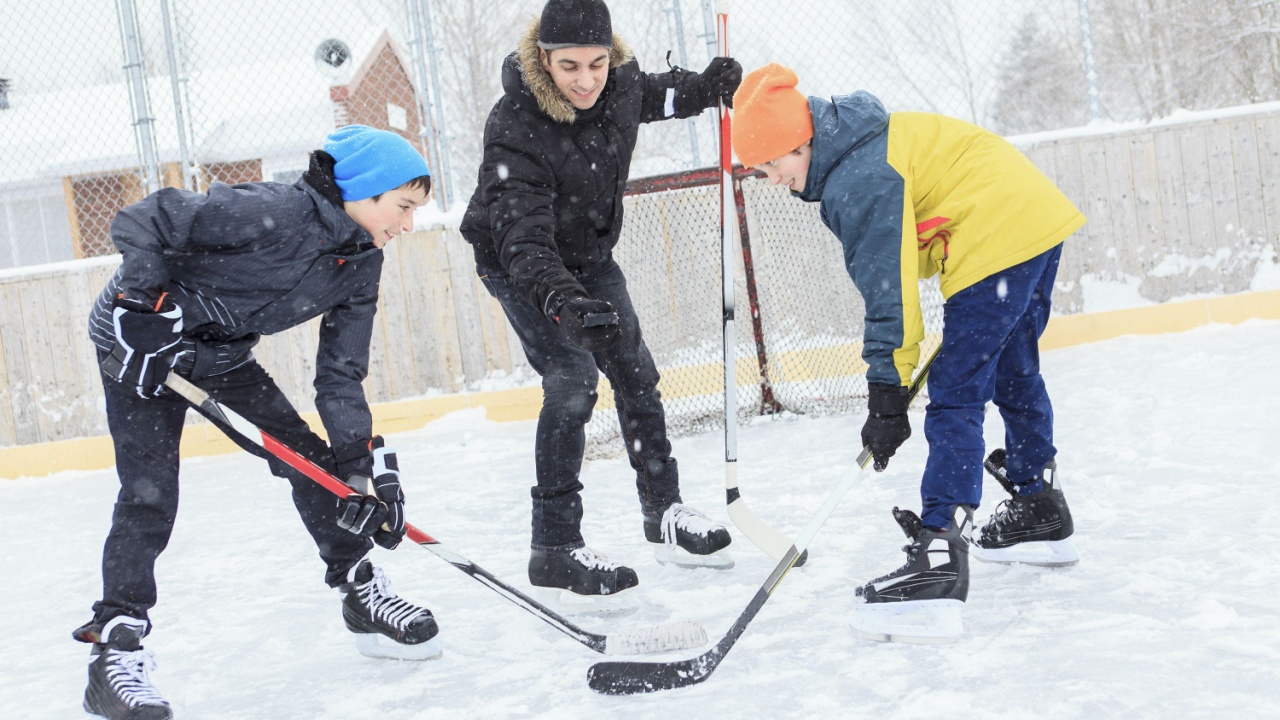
(255, 259)
(548, 203)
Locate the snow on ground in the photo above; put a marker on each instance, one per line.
(1166, 448)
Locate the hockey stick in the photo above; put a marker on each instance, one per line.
(632, 678)
(671, 636)
(772, 542)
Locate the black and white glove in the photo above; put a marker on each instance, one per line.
(720, 80)
(145, 345)
(887, 425)
(590, 324)
(376, 507)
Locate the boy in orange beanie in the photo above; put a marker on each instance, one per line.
(912, 195)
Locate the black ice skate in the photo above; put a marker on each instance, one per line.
(582, 582)
(921, 601)
(386, 625)
(1031, 529)
(119, 686)
(687, 538)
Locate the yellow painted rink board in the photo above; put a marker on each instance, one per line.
(95, 453)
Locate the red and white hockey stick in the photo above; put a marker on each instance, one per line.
(671, 636)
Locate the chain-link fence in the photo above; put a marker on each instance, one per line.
(102, 102)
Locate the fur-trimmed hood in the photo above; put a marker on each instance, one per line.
(536, 78)
(549, 192)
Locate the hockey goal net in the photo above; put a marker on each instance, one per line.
(799, 318)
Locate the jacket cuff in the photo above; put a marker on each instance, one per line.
(886, 399)
(353, 458)
(556, 300)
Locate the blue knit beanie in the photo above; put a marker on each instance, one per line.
(371, 162)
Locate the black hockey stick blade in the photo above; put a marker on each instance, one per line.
(635, 641)
(635, 677)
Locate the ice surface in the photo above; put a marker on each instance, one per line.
(1166, 453)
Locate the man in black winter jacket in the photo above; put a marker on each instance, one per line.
(202, 277)
(543, 222)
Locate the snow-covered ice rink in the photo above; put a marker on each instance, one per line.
(1168, 456)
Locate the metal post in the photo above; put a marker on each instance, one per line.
(428, 134)
(709, 25)
(1090, 72)
(144, 130)
(176, 77)
(691, 123)
(442, 136)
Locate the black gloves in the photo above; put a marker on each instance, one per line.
(146, 344)
(590, 324)
(376, 508)
(720, 80)
(887, 426)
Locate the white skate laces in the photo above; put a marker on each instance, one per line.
(386, 605)
(593, 560)
(128, 673)
(683, 517)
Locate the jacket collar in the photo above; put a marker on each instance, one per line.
(318, 181)
(840, 125)
(532, 82)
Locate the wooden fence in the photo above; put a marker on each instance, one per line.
(437, 331)
(1183, 208)
(1179, 209)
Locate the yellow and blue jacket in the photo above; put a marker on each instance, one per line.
(911, 195)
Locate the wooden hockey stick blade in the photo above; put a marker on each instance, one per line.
(764, 536)
(636, 641)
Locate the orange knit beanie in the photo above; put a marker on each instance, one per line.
(770, 117)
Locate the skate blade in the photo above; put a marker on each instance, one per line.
(921, 622)
(376, 646)
(1045, 553)
(564, 602)
(675, 555)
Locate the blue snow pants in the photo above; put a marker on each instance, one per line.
(990, 353)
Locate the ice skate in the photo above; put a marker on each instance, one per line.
(921, 601)
(119, 675)
(687, 538)
(386, 625)
(1031, 529)
(583, 582)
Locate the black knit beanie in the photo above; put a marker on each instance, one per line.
(574, 23)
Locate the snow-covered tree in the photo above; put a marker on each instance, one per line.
(1041, 85)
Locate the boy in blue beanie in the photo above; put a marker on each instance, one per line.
(202, 277)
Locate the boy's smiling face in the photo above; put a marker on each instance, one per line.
(791, 169)
(389, 214)
(580, 73)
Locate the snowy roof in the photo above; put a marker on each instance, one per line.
(235, 113)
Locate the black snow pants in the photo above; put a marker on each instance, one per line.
(146, 433)
(569, 378)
